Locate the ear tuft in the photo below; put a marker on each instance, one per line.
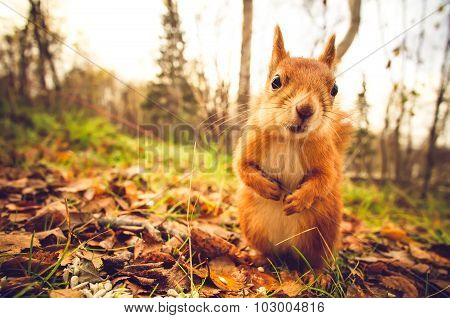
(278, 51)
(329, 53)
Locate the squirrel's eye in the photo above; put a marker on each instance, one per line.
(276, 82)
(334, 90)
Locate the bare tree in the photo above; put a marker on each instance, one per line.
(355, 19)
(244, 74)
(435, 129)
(43, 38)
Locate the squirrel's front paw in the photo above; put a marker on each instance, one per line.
(296, 203)
(266, 188)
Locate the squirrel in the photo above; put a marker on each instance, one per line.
(289, 161)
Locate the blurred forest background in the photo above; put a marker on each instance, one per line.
(78, 134)
(33, 79)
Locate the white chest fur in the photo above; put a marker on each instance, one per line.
(282, 161)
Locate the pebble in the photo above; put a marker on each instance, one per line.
(261, 269)
(108, 285)
(66, 275)
(76, 261)
(86, 292)
(100, 293)
(109, 294)
(74, 281)
(262, 290)
(93, 287)
(172, 292)
(79, 286)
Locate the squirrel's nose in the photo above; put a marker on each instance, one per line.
(304, 111)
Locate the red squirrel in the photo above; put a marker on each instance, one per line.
(289, 160)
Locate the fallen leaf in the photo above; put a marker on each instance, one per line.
(48, 217)
(55, 236)
(260, 279)
(78, 186)
(225, 275)
(395, 234)
(209, 245)
(421, 268)
(14, 242)
(65, 293)
(400, 283)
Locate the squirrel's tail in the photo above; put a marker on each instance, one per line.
(344, 132)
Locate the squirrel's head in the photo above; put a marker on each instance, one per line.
(299, 91)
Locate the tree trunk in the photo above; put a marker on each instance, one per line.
(355, 18)
(434, 130)
(244, 74)
(384, 136)
(398, 161)
(24, 63)
(34, 12)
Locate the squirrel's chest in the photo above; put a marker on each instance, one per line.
(283, 162)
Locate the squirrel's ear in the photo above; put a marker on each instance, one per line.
(329, 53)
(278, 51)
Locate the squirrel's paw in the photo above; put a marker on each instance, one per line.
(296, 203)
(268, 189)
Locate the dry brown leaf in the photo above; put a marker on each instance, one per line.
(225, 275)
(400, 258)
(22, 206)
(402, 284)
(291, 288)
(354, 291)
(106, 204)
(143, 248)
(49, 217)
(208, 292)
(210, 245)
(260, 279)
(18, 217)
(95, 258)
(65, 293)
(14, 242)
(431, 257)
(395, 234)
(55, 236)
(421, 268)
(78, 186)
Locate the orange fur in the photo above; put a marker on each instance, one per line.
(290, 167)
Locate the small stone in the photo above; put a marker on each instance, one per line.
(76, 261)
(108, 285)
(93, 287)
(79, 286)
(172, 292)
(86, 292)
(100, 293)
(74, 281)
(66, 275)
(109, 294)
(261, 269)
(262, 290)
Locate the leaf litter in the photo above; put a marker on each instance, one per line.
(129, 241)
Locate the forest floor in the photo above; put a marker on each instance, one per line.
(78, 218)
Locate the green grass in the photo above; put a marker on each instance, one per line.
(379, 206)
(80, 142)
